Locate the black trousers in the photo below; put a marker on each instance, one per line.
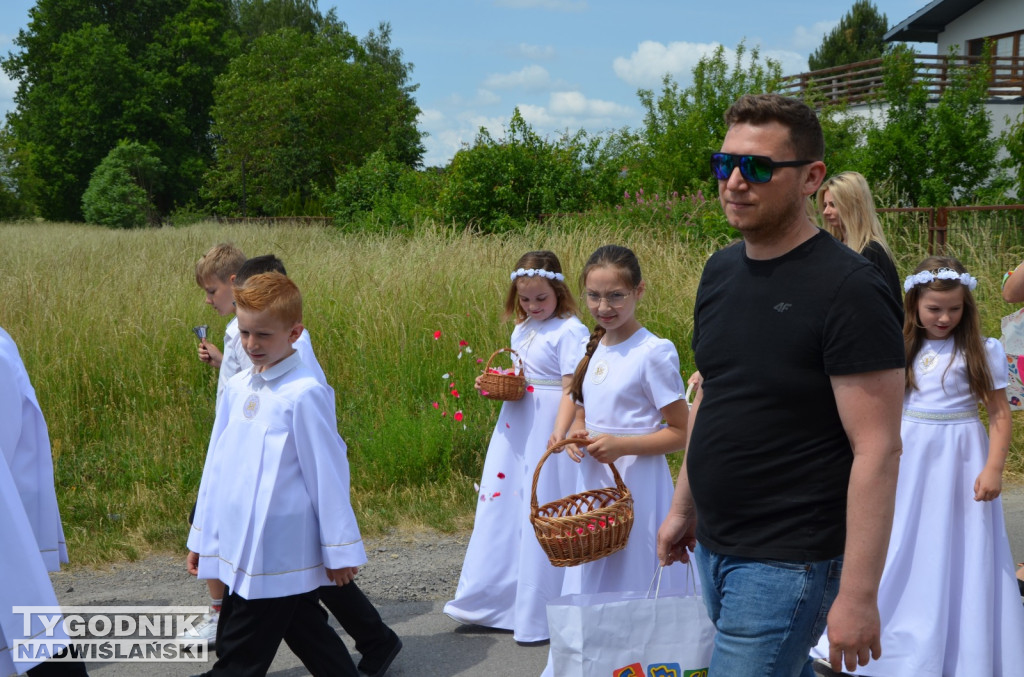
(250, 631)
(358, 617)
(58, 669)
(355, 613)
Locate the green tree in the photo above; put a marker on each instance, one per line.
(1013, 140)
(91, 73)
(121, 189)
(858, 37)
(682, 126)
(256, 18)
(299, 107)
(939, 152)
(496, 184)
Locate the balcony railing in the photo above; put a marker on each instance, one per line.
(861, 82)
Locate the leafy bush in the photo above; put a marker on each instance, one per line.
(382, 195)
(120, 192)
(498, 183)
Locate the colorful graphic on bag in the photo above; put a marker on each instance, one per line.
(1014, 386)
(658, 670)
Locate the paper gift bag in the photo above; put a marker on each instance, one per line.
(616, 634)
(1013, 343)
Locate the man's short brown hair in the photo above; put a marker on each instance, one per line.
(805, 134)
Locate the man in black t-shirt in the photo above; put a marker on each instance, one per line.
(787, 490)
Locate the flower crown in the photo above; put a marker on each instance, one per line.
(539, 272)
(929, 276)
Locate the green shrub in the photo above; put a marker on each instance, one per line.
(120, 192)
(497, 185)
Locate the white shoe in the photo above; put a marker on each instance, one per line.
(205, 630)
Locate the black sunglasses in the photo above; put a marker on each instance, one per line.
(753, 168)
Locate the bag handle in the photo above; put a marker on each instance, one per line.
(505, 350)
(690, 577)
(555, 448)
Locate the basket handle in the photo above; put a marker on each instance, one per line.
(505, 350)
(555, 448)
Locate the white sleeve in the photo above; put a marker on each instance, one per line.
(997, 364)
(662, 381)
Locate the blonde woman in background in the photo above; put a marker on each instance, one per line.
(848, 211)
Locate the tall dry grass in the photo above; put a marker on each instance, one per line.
(103, 320)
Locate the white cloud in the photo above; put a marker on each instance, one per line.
(553, 5)
(537, 116)
(810, 38)
(534, 52)
(651, 61)
(531, 77)
(790, 62)
(577, 105)
(646, 66)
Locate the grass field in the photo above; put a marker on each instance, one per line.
(104, 321)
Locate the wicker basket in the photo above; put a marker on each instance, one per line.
(507, 387)
(582, 527)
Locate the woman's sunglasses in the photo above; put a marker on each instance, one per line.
(753, 168)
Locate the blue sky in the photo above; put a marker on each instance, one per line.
(567, 64)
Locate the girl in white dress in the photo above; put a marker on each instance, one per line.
(506, 578)
(627, 383)
(948, 600)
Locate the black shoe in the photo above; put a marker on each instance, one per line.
(377, 666)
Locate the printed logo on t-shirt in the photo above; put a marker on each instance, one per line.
(252, 405)
(599, 372)
(782, 307)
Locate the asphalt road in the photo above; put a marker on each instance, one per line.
(434, 645)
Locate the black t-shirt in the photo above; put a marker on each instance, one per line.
(875, 253)
(769, 461)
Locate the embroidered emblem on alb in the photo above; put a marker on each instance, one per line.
(252, 405)
(928, 360)
(599, 372)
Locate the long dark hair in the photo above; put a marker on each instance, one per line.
(608, 256)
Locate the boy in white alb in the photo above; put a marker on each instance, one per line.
(273, 520)
(375, 641)
(215, 273)
(31, 535)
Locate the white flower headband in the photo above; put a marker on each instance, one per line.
(539, 272)
(929, 276)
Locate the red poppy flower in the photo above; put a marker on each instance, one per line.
(463, 344)
(455, 393)
(458, 416)
(529, 389)
(436, 405)
(437, 334)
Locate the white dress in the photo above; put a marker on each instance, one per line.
(23, 580)
(25, 444)
(948, 598)
(624, 391)
(506, 578)
(273, 508)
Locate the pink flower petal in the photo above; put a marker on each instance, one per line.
(436, 405)
(529, 389)
(507, 425)
(496, 494)
(485, 393)
(501, 476)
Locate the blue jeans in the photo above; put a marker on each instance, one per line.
(768, 613)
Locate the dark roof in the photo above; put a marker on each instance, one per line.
(926, 24)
